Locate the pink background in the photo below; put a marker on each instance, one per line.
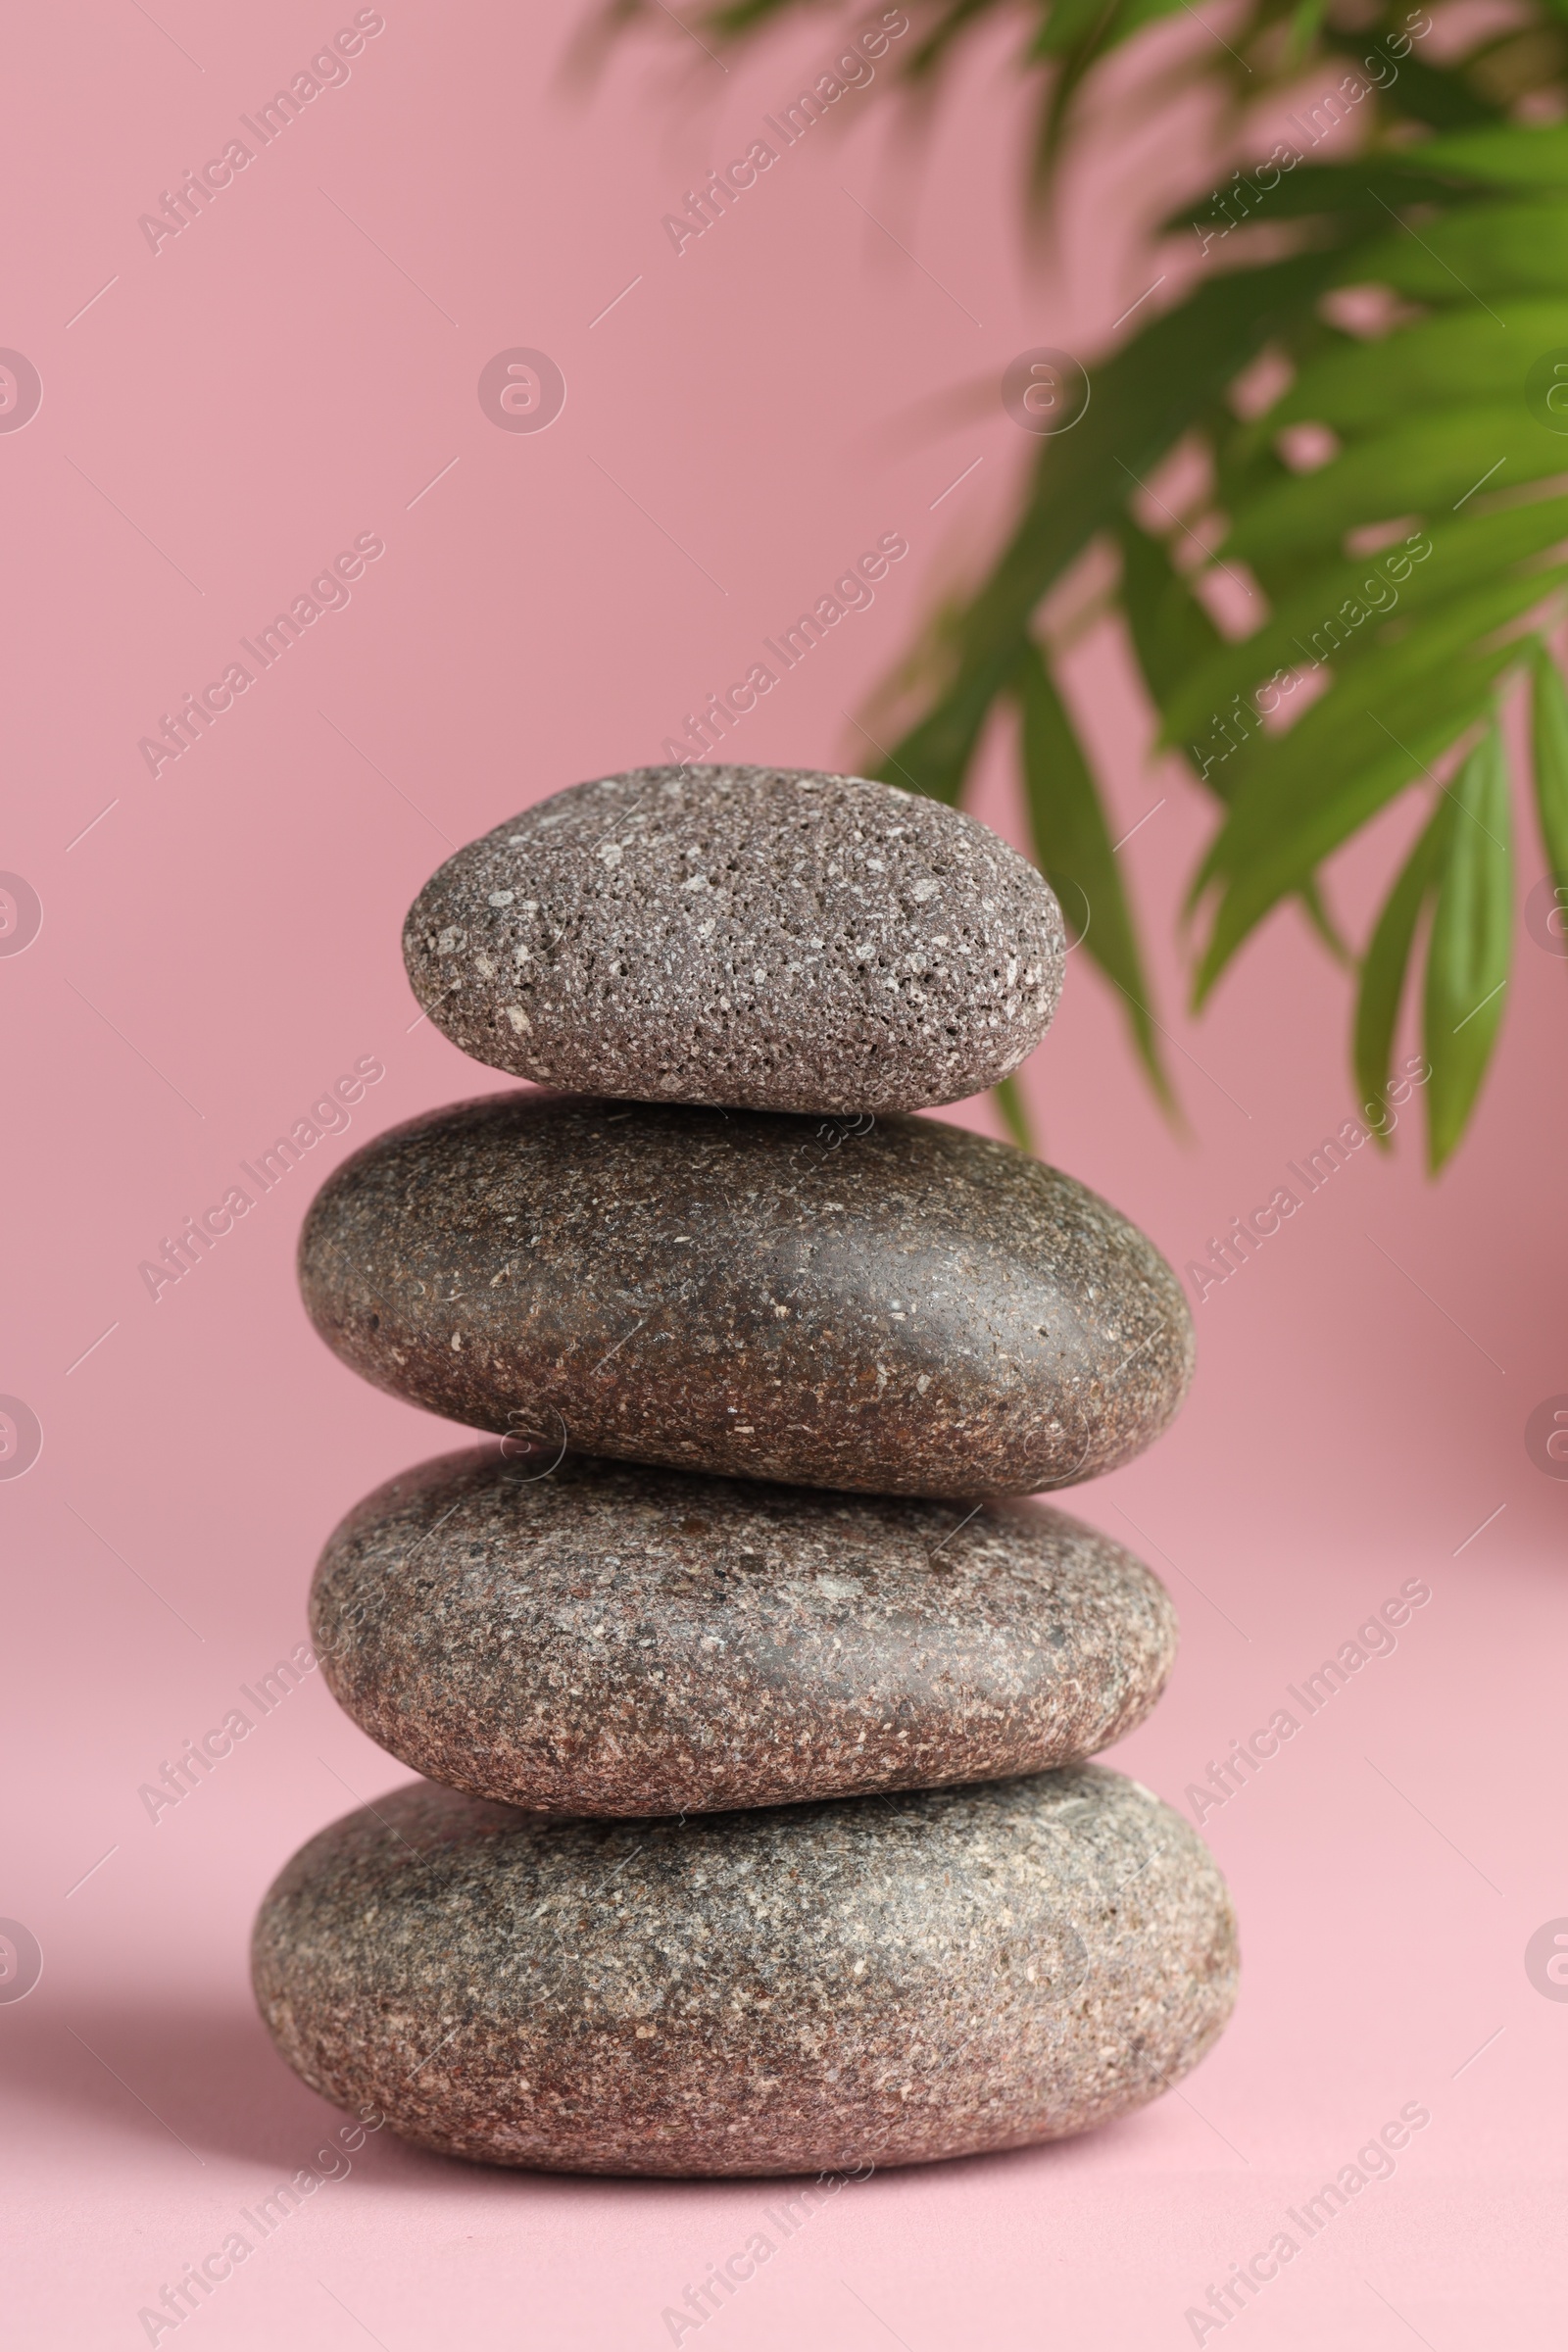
(292, 371)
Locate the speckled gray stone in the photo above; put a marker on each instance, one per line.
(894, 1306)
(884, 1980)
(605, 1639)
(773, 938)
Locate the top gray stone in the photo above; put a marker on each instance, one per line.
(770, 939)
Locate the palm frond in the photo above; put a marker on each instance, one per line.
(1400, 509)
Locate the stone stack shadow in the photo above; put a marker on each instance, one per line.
(756, 1832)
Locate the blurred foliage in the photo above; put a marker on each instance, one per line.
(1388, 505)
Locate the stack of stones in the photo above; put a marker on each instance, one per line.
(757, 1835)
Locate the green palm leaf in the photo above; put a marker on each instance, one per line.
(1299, 798)
(1145, 399)
(1386, 754)
(1443, 361)
(1504, 155)
(1073, 848)
(1388, 961)
(1513, 248)
(1172, 634)
(1471, 944)
(1319, 624)
(1549, 759)
(1430, 465)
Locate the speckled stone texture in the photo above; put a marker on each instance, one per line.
(773, 938)
(892, 1306)
(887, 1980)
(606, 1639)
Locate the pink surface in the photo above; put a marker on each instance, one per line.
(298, 368)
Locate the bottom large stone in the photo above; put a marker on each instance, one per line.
(880, 1979)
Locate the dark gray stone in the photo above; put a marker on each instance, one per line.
(769, 937)
(893, 1305)
(613, 1639)
(886, 1980)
